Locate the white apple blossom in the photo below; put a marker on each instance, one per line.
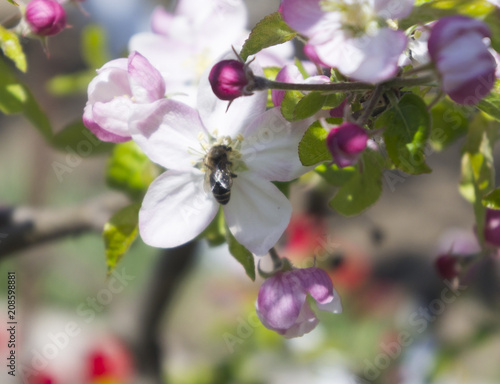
(183, 44)
(346, 34)
(177, 208)
(120, 86)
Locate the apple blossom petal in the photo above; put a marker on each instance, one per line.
(161, 20)
(175, 209)
(370, 58)
(288, 74)
(101, 134)
(113, 116)
(451, 27)
(380, 56)
(305, 16)
(280, 301)
(305, 323)
(168, 133)
(177, 68)
(258, 213)
(146, 82)
(334, 306)
(228, 122)
(270, 147)
(393, 9)
(205, 24)
(108, 84)
(276, 55)
(120, 63)
(317, 283)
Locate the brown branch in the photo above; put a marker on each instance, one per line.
(170, 271)
(23, 227)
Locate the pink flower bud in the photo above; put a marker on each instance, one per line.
(45, 17)
(492, 227)
(228, 79)
(282, 305)
(447, 266)
(346, 143)
(466, 66)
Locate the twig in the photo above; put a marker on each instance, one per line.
(170, 270)
(23, 227)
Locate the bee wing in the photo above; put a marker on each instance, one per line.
(207, 187)
(222, 176)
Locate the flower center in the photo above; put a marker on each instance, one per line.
(357, 17)
(233, 151)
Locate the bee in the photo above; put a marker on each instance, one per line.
(219, 178)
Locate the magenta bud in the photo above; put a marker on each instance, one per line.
(228, 79)
(465, 64)
(45, 17)
(346, 143)
(492, 227)
(447, 266)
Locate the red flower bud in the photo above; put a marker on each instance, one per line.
(447, 266)
(346, 143)
(45, 17)
(492, 227)
(466, 66)
(228, 79)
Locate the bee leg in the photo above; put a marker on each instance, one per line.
(233, 175)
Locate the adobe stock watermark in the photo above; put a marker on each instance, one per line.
(86, 311)
(244, 330)
(419, 320)
(74, 157)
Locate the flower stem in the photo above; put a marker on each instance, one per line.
(328, 87)
(377, 93)
(263, 83)
(277, 261)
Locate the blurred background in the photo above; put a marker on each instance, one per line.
(190, 312)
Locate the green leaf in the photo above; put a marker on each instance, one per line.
(271, 30)
(215, 233)
(284, 187)
(492, 199)
(407, 127)
(94, 46)
(449, 123)
(76, 138)
(363, 189)
(312, 147)
(427, 11)
(11, 47)
(130, 170)
(13, 2)
(119, 233)
(301, 68)
(63, 85)
(308, 106)
(493, 21)
(241, 254)
(270, 73)
(289, 103)
(16, 97)
(334, 175)
(478, 174)
(333, 100)
(491, 103)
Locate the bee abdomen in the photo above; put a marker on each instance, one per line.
(221, 194)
